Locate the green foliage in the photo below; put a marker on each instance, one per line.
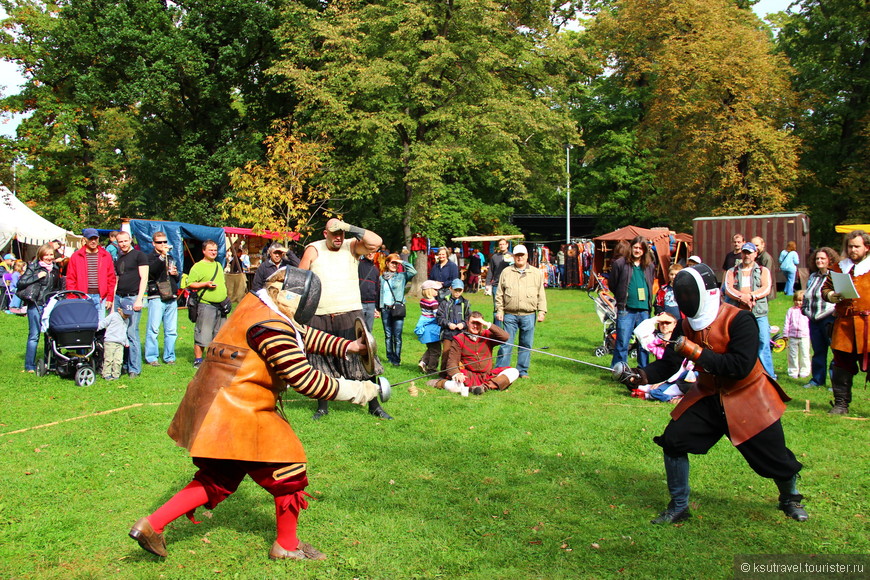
(276, 195)
(556, 477)
(827, 45)
(418, 98)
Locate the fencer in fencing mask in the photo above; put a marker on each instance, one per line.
(296, 292)
(696, 290)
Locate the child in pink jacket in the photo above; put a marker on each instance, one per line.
(797, 330)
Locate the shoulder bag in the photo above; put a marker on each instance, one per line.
(398, 311)
(195, 298)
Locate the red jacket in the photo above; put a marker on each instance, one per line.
(77, 273)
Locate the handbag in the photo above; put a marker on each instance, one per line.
(397, 309)
(225, 306)
(164, 288)
(196, 297)
(29, 293)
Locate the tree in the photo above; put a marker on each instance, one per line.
(277, 194)
(828, 44)
(189, 76)
(711, 103)
(431, 104)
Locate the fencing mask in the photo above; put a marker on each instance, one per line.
(696, 290)
(299, 293)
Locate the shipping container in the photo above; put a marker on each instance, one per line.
(713, 238)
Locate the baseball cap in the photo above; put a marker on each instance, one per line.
(748, 247)
(90, 233)
(457, 283)
(9, 257)
(696, 259)
(520, 249)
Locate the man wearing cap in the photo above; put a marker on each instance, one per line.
(451, 316)
(746, 286)
(733, 396)
(131, 268)
(335, 260)
(276, 257)
(91, 270)
(228, 419)
(519, 302)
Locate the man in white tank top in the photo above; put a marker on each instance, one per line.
(335, 259)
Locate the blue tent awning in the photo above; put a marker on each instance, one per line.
(177, 233)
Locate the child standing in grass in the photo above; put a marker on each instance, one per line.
(115, 340)
(797, 329)
(427, 329)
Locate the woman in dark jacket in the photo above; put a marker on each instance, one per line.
(44, 274)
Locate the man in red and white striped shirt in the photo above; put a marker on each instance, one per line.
(92, 271)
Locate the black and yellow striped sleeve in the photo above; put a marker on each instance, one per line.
(281, 352)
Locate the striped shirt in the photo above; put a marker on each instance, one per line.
(93, 272)
(815, 307)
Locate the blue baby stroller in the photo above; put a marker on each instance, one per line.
(71, 345)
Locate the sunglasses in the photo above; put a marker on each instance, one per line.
(161, 241)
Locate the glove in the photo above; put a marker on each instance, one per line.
(346, 227)
(688, 349)
(628, 376)
(358, 392)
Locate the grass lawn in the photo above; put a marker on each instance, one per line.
(557, 477)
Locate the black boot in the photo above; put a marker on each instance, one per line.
(322, 409)
(378, 411)
(790, 499)
(841, 384)
(677, 471)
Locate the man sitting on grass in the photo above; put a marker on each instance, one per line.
(469, 360)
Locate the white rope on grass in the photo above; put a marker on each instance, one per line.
(53, 423)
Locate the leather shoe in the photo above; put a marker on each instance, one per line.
(793, 509)
(153, 363)
(303, 551)
(318, 414)
(148, 539)
(380, 413)
(672, 516)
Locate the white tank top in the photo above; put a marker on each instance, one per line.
(339, 278)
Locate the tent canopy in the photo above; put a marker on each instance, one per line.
(19, 222)
(178, 233)
(659, 239)
(845, 229)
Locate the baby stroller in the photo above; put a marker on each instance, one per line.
(605, 308)
(71, 345)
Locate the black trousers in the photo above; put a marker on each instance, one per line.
(704, 423)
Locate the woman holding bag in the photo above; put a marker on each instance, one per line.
(41, 278)
(392, 304)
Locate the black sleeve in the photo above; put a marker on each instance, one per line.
(738, 360)
(659, 370)
(291, 258)
(156, 267)
(29, 277)
(442, 316)
(259, 278)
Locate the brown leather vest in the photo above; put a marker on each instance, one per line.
(752, 403)
(229, 409)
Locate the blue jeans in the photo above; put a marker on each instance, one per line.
(525, 324)
(167, 313)
(393, 336)
(368, 309)
(134, 353)
(34, 319)
(764, 354)
(789, 282)
(561, 269)
(98, 304)
(820, 340)
(626, 322)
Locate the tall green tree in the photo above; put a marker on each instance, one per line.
(432, 105)
(189, 75)
(828, 44)
(703, 104)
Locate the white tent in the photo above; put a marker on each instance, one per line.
(19, 222)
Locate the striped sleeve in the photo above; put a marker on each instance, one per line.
(281, 352)
(319, 342)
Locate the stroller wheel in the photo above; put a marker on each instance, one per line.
(41, 368)
(85, 377)
(600, 351)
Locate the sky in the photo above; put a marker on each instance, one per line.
(11, 80)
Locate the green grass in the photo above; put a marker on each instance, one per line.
(557, 477)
